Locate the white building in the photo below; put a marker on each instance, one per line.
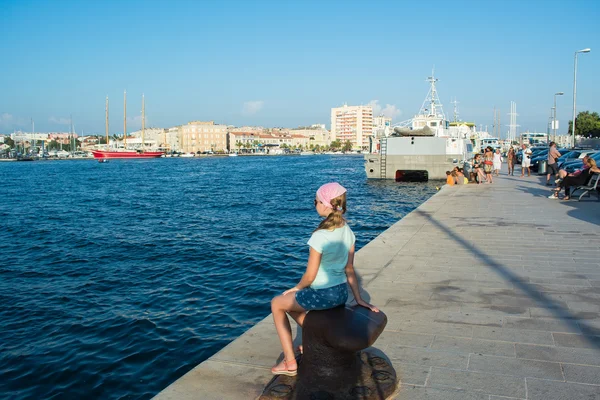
(353, 124)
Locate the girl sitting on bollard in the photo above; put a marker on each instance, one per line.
(323, 285)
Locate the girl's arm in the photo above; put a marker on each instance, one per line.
(353, 282)
(312, 267)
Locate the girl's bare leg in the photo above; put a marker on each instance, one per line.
(281, 305)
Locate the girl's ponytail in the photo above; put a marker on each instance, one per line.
(335, 219)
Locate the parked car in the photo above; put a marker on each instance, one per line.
(574, 165)
(574, 155)
(534, 152)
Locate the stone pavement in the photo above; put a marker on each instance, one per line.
(491, 291)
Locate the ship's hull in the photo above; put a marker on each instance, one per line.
(416, 158)
(103, 154)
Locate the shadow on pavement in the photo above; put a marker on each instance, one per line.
(543, 300)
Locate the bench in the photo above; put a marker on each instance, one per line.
(591, 186)
(334, 365)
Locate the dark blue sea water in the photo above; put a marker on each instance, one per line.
(118, 278)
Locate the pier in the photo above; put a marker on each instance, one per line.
(492, 292)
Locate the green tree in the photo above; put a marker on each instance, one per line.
(336, 144)
(588, 124)
(53, 145)
(9, 142)
(347, 146)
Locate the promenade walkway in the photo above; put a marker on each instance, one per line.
(492, 292)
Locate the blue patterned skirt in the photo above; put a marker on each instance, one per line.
(322, 299)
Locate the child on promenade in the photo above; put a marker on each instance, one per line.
(450, 178)
(323, 285)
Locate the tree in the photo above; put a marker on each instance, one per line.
(336, 144)
(588, 124)
(347, 146)
(9, 142)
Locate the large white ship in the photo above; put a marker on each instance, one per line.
(422, 148)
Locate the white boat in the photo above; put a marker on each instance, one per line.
(233, 154)
(422, 148)
(307, 153)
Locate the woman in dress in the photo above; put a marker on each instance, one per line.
(497, 162)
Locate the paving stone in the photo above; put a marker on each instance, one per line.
(513, 335)
(214, 380)
(538, 389)
(390, 338)
(409, 392)
(471, 319)
(490, 309)
(411, 374)
(577, 341)
(542, 324)
(582, 374)
(515, 367)
(432, 328)
(476, 381)
(425, 357)
(479, 346)
(586, 356)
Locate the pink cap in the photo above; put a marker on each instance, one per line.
(330, 191)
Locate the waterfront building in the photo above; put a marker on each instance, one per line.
(266, 142)
(172, 139)
(203, 136)
(150, 134)
(317, 135)
(353, 124)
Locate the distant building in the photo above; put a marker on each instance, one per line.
(352, 123)
(317, 135)
(201, 136)
(534, 138)
(172, 139)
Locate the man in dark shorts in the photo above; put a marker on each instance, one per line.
(553, 155)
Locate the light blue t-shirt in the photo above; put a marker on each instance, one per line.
(334, 247)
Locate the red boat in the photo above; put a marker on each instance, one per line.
(99, 154)
(108, 154)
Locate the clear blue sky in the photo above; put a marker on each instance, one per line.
(284, 63)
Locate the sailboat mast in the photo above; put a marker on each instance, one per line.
(106, 123)
(143, 122)
(125, 119)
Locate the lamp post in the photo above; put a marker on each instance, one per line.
(575, 89)
(554, 121)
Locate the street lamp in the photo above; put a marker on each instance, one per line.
(575, 89)
(554, 121)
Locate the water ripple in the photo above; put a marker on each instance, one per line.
(118, 278)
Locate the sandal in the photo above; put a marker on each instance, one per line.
(283, 369)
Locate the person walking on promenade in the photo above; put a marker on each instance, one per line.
(497, 162)
(330, 266)
(526, 161)
(488, 164)
(510, 160)
(553, 155)
(574, 181)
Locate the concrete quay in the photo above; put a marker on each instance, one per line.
(491, 291)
